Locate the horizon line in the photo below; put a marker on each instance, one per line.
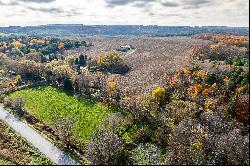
(49, 24)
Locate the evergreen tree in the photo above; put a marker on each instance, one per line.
(76, 61)
(82, 60)
(67, 85)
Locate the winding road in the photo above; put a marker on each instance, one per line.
(38, 141)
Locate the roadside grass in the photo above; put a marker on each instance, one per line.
(16, 150)
(48, 103)
(4, 162)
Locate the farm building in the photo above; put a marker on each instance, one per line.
(125, 48)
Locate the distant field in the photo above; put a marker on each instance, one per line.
(152, 60)
(15, 150)
(3, 34)
(49, 103)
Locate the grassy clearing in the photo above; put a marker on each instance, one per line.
(47, 104)
(15, 150)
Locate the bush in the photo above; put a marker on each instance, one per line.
(227, 142)
(160, 94)
(111, 88)
(111, 62)
(178, 110)
(82, 60)
(216, 52)
(164, 130)
(7, 102)
(146, 154)
(186, 146)
(106, 148)
(212, 78)
(208, 140)
(238, 77)
(2, 96)
(232, 148)
(142, 136)
(17, 104)
(87, 82)
(67, 85)
(242, 109)
(63, 128)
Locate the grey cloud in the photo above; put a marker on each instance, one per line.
(8, 4)
(47, 10)
(38, 1)
(194, 4)
(165, 15)
(169, 4)
(16, 2)
(139, 4)
(118, 2)
(170, 15)
(114, 3)
(186, 4)
(57, 11)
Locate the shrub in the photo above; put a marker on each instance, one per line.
(115, 122)
(146, 154)
(178, 110)
(87, 82)
(231, 106)
(112, 88)
(111, 62)
(186, 144)
(7, 102)
(106, 148)
(63, 128)
(142, 136)
(67, 84)
(28, 70)
(82, 60)
(148, 108)
(232, 148)
(242, 108)
(238, 77)
(216, 52)
(226, 142)
(210, 104)
(2, 96)
(212, 78)
(163, 133)
(160, 94)
(18, 104)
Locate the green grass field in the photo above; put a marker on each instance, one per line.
(48, 103)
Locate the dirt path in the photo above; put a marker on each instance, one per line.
(38, 141)
(130, 52)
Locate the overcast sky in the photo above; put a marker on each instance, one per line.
(139, 12)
